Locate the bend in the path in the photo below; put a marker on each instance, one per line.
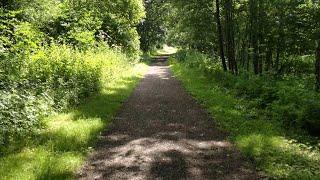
(162, 133)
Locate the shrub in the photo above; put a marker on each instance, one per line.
(289, 100)
(51, 79)
(297, 65)
(38, 76)
(297, 107)
(20, 110)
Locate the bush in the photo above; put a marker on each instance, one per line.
(38, 76)
(69, 73)
(289, 100)
(297, 65)
(195, 59)
(20, 110)
(51, 79)
(297, 107)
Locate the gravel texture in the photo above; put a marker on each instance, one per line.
(162, 133)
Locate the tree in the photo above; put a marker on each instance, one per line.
(153, 28)
(194, 25)
(229, 29)
(253, 13)
(317, 66)
(220, 36)
(316, 16)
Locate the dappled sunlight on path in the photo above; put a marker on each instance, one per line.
(162, 133)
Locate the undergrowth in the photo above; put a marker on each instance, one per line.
(59, 147)
(254, 127)
(50, 79)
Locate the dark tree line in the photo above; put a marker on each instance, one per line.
(248, 35)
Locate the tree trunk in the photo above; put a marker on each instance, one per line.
(230, 37)
(261, 33)
(280, 42)
(220, 35)
(277, 61)
(253, 11)
(262, 43)
(317, 66)
(255, 55)
(243, 54)
(268, 58)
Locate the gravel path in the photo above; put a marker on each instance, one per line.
(162, 133)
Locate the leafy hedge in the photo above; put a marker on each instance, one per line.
(52, 54)
(290, 100)
(51, 79)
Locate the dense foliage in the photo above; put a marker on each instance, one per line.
(264, 54)
(289, 100)
(59, 149)
(154, 27)
(195, 27)
(249, 35)
(279, 151)
(269, 45)
(52, 54)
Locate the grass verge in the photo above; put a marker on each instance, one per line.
(264, 142)
(59, 149)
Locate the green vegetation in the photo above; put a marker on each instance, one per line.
(153, 28)
(256, 65)
(60, 148)
(257, 120)
(254, 36)
(53, 55)
(290, 99)
(66, 66)
(65, 69)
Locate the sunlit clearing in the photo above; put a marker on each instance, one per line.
(167, 50)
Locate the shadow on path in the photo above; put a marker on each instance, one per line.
(162, 133)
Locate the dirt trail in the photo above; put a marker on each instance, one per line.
(162, 133)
